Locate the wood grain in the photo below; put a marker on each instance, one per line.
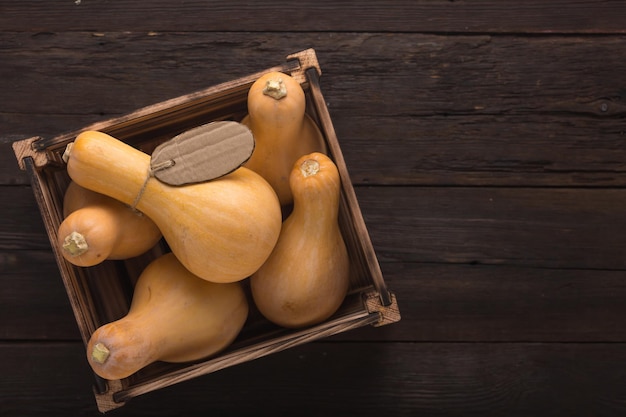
(549, 228)
(33, 302)
(540, 227)
(439, 303)
(21, 226)
(539, 150)
(446, 16)
(485, 141)
(82, 73)
(440, 379)
(463, 110)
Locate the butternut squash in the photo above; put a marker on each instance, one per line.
(97, 227)
(306, 278)
(221, 230)
(174, 316)
(281, 129)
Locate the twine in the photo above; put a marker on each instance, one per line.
(151, 171)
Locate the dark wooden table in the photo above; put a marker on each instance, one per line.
(487, 144)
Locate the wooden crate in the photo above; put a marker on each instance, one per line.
(102, 293)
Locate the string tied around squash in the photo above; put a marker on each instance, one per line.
(152, 170)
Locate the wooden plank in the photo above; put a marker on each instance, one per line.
(21, 225)
(460, 150)
(103, 72)
(10, 173)
(479, 303)
(80, 73)
(526, 227)
(529, 227)
(438, 303)
(535, 16)
(475, 75)
(368, 379)
(467, 110)
(543, 150)
(555, 228)
(33, 302)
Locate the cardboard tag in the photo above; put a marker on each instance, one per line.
(202, 154)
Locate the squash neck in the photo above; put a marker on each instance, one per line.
(315, 209)
(266, 130)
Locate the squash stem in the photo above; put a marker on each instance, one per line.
(275, 88)
(100, 353)
(67, 152)
(309, 167)
(75, 244)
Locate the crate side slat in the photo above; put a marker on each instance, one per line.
(353, 210)
(257, 331)
(357, 319)
(359, 271)
(77, 292)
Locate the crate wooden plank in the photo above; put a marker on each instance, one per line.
(446, 16)
(440, 379)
